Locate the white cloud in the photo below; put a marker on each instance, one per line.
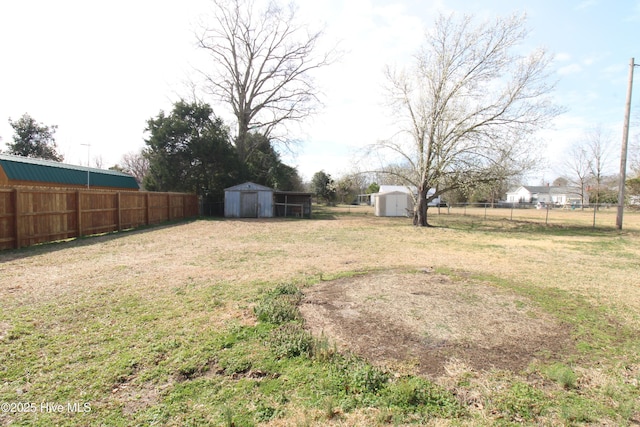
(586, 4)
(570, 69)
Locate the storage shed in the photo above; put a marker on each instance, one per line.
(251, 200)
(18, 171)
(394, 203)
(248, 200)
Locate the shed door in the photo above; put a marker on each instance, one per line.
(397, 207)
(248, 205)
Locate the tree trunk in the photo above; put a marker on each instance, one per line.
(241, 142)
(420, 213)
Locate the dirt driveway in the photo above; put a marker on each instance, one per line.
(427, 319)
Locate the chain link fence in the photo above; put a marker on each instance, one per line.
(600, 215)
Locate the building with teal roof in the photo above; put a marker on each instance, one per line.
(18, 171)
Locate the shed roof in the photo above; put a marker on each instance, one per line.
(18, 168)
(395, 188)
(393, 193)
(248, 186)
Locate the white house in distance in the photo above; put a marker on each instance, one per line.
(396, 200)
(555, 195)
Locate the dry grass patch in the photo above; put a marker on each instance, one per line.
(428, 318)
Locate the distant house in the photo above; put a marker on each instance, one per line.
(555, 195)
(18, 171)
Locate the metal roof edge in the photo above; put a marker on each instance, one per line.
(51, 163)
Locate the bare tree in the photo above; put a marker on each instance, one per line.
(597, 147)
(468, 108)
(578, 166)
(136, 164)
(262, 65)
(98, 161)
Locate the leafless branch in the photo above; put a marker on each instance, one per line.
(263, 63)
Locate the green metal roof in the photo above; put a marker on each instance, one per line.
(19, 168)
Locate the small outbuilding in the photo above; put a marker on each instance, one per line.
(398, 200)
(393, 203)
(248, 200)
(251, 200)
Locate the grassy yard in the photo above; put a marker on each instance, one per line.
(198, 323)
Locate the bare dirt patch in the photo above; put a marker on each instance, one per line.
(428, 319)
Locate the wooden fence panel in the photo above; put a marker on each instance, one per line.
(7, 219)
(133, 210)
(31, 216)
(43, 216)
(158, 206)
(99, 212)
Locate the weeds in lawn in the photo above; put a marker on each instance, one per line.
(279, 305)
(521, 402)
(291, 340)
(563, 375)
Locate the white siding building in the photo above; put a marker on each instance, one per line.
(555, 195)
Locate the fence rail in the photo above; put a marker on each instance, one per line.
(32, 216)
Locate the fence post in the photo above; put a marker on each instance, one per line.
(546, 218)
(118, 213)
(79, 212)
(148, 214)
(168, 207)
(16, 217)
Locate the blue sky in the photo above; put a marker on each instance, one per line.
(99, 70)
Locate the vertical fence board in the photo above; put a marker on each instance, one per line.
(7, 219)
(16, 217)
(31, 216)
(79, 212)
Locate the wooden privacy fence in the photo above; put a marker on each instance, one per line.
(31, 216)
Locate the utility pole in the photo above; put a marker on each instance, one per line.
(623, 151)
